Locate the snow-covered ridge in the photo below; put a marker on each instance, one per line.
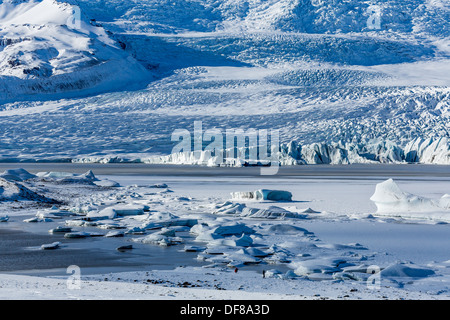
(311, 16)
(47, 48)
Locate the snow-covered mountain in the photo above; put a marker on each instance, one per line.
(47, 48)
(365, 80)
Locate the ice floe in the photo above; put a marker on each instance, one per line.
(51, 246)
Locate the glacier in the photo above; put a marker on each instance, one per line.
(115, 87)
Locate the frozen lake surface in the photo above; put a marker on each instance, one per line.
(339, 196)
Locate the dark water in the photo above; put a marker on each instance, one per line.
(20, 252)
(355, 170)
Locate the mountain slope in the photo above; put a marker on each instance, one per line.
(47, 50)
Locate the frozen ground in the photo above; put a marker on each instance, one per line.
(188, 235)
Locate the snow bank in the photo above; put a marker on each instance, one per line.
(14, 191)
(406, 270)
(17, 175)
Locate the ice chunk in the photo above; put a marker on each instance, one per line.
(17, 175)
(229, 208)
(51, 246)
(273, 273)
(67, 177)
(388, 198)
(406, 270)
(124, 248)
(242, 257)
(444, 202)
(320, 265)
(77, 235)
(53, 212)
(159, 239)
(263, 194)
(107, 183)
(60, 229)
(136, 230)
(194, 249)
(233, 230)
(243, 241)
(271, 212)
(119, 210)
(288, 229)
(114, 234)
(255, 252)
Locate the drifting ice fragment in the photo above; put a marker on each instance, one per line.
(51, 246)
(60, 229)
(263, 194)
(389, 198)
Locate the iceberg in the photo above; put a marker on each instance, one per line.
(17, 175)
(51, 246)
(389, 198)
(120, 210)
(263, 194)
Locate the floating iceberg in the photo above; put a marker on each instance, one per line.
(51, 246)
(60, 229)
(119, 210)
(263, 194)
(159, 239)
(67, 177)
(389, 198)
